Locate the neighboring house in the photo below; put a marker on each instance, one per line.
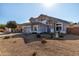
(73, 29)
(7, 29)
(44, 23)
(2, 30)
(18, 28)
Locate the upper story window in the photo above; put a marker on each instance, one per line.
(44, 21)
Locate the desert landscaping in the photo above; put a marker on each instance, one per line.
(16, 46)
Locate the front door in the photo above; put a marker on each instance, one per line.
(48, 29)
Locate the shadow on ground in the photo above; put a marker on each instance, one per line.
(33, 37)
(30, 38)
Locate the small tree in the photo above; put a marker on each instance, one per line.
(11, 24)
(2, 26)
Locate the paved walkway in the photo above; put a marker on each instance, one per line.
(1, 33)
(71, 37)
(11, 34)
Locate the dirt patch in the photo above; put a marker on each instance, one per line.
(56, 48)
(14, 46)
(17, 47)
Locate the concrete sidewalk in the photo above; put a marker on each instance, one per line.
(1, 33)
(11, 34)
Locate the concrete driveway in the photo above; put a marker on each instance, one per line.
(11, 34)
(71, 37)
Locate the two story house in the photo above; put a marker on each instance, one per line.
(44, 23)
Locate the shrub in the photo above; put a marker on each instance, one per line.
(61, 35)
(34, 53)
(15, 36)
(25, 41)
(43, 41)
(6, 37)
(51, 36)
(59, 38)
(44, 33)
(14, 41)
(34, 32)
(2, 30)
(38, 36)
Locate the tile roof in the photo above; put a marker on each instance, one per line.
(34, 23)
(54, 18)
(42, 15)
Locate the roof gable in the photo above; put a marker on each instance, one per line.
(52, 18)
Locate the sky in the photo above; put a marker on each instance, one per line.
(21, 12)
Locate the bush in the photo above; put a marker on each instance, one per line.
(43, 41)
(61, 35)
(14, 41)
(2, 30)
(25, 41)
(6, 37)
(59, 38)
(38, 36)
(51, 36)
(34, 54)
(44, 33)
(15, 36)
(34, 32)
